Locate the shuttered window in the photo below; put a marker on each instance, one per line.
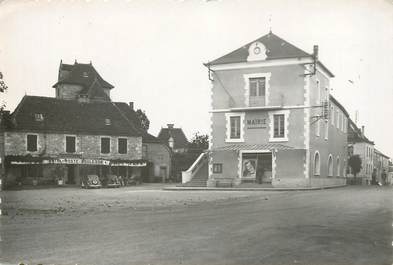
(122, 145)
(70, 144)
(279, 125)
(32, 142)
(235, 127)
(105, 145)
(257, 86)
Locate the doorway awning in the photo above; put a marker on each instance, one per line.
(253, 147)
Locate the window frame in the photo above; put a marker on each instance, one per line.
(105, 137)
(317, 167)
(217, 168)
(330, 168)
(247, 78)
(65, 144)
(285, 114)
(118, 145)
(36, 142)
(229, 127)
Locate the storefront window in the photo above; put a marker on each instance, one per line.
(257, 167)
(32, 142)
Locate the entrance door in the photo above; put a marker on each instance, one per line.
(70, 174)
(264, 169)
(163, 174)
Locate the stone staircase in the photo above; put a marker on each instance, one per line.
(197, 174)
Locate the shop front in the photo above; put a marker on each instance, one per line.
(28, 170)
(244, 163)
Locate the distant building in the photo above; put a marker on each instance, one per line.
(154, 150)
(359, 144)
(175, 138)
(273, 118)
(381, 164)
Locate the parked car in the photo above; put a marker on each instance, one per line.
(91, 182)
(112, 181)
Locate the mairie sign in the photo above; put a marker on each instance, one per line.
(256, 123)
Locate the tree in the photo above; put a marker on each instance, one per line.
(3, 88)
(199, 141)
(144, 121)
(355, 162)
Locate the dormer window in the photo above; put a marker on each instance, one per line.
(107, 122)
(38, 117)
(85, 74)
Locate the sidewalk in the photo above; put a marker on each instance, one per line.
(248, 188)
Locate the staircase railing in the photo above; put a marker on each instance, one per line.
(190, 173)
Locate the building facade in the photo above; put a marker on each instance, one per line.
(381, 165)
(273, 119)
(79, 132)
(359, 144)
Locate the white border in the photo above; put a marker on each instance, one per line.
(228, 127)
(247, 86)
(271, 125)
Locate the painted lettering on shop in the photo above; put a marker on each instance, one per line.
(256, 124)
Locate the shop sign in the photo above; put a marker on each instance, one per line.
(256, 123)
(128, 164)
(76, 161)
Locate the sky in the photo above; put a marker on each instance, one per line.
(153, 51)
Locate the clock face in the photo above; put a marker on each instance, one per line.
(257, 50)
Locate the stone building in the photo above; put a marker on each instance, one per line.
(381, 164)
(79, 132)
(273, 118)
(174, 138)
(359, 144)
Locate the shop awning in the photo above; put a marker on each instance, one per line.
(256, 147)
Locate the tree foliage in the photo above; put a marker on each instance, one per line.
(3, 88)
(199, 141)
(355, 162)
(144, 121)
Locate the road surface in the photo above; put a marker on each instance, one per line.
(351, 225)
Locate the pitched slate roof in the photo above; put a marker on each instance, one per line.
(82, 74)
(338, 104)
(355, 135)
(130, 114)
(180, 139)
(276, 48)
(70, 116)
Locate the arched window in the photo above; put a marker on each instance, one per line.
(338, 166)
(317, 164)
(330, 166)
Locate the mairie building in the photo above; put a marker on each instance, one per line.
(78, 132)
(273, 119)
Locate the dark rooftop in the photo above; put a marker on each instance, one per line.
(70, 116)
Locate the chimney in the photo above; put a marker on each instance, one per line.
(315, 54)
(131, 104)
(170, 125)
(363, 130)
